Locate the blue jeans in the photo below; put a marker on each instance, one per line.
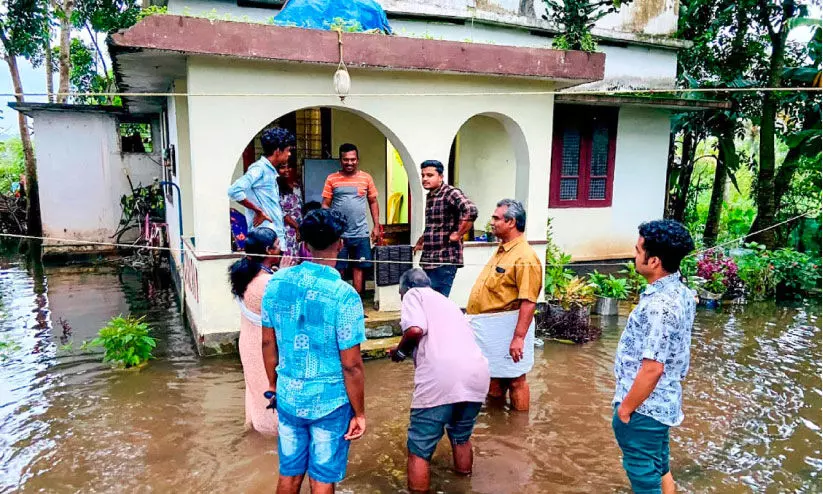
(426, 426)
(314, 446)
(645, 445)
(442, 278)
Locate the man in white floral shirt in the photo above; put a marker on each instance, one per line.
(653, 357)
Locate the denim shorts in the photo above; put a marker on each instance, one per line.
(645, 445)
(426, 426)
(314, 446)
(356, 248)
(442, 279)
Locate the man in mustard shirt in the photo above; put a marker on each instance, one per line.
(502, 302)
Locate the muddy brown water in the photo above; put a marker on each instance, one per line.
(71, 424)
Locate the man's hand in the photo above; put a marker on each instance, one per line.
(377, 234)
(271, 395)
(260, 217)
(623, 414)
(419, 245)
(455, 237)
(396, 356)
(357, 427)
(516, 348)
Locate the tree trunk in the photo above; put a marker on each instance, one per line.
(686, 169)
(766, 207)
(726, 160)
(49, 73)
(33, 222)
(65, 48)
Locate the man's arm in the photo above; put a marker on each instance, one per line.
(326, 202)
(645, 382)
(411, 337)
(354, 379)
(468, 213)
(524, 320)
(270, 356)
(238, 192)
(375, 216)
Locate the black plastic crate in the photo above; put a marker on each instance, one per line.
(388, 273)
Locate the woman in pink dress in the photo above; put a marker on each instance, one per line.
(248, 278)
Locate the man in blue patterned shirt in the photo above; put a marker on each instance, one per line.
(312, 329)
(653, 357)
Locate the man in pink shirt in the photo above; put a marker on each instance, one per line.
(451, 377)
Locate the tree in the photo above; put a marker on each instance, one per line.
(578, 17)
(23, 33)
(64, 13)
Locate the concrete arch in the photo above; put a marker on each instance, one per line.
(482, 147)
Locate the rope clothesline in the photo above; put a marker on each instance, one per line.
(374, 261)
(605, 92)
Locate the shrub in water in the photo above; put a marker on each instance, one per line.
(798, 275)
(126, 341)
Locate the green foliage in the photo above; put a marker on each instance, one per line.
(344, 25)
(754, 267)
(151, 10)
(635, 282)
(12, 163)
(577, 18)
(609, 286)
(144, 200)
(7, 348)
(798, 275)
(574, 294)
(24, 27)
(107, 16)
(126, 341)
(557, 275)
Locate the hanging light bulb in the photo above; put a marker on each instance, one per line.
(342, 82)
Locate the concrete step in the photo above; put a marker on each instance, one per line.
(378, 348)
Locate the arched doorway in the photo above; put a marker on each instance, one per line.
(319, 132)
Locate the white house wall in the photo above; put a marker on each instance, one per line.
(638, 194)
(81, 175)
(178, 117)
(420, 127)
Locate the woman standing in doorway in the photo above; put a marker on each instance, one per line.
(248, 278)
(291, 203)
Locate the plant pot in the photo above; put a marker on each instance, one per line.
(490, 237)
(570, 325)
(606, 306)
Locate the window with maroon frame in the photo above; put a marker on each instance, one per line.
(582, 169)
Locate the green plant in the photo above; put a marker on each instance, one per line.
(577, 17)
(635, 282)
(797, 274)
(7, 347)
(126, 341)
(575, 294)
(754, 267)
(151, 10)
(557, 274)
(343, 25)
(609, 286)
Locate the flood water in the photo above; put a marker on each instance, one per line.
(71, 424)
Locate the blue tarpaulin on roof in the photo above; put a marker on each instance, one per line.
(348, 15)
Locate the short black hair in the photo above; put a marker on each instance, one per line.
(322, 227)
(346, 147)
(668, 240)
(433, 164)
(310, 206)
(276, 139)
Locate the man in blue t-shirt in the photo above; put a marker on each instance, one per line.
(313, 326)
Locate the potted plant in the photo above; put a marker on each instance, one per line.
(716, 278)
(635, 282)
(567, 315)
(608, 290)
(490, 236)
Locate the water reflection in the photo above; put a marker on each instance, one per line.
(69, 423)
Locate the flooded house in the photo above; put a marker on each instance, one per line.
(473, 84)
